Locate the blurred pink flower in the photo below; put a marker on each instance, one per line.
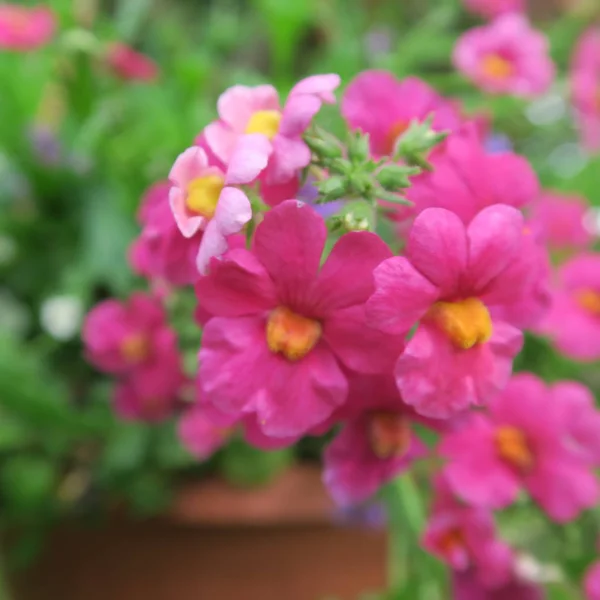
(283, 329)
(23, 28)
(256, 110)
(506, 56)
(130, 65)
(379, 104)
(573, 322)
(585, 88)
(466, 587)
(131, 404)
(592, 582)
(524, 442)
(492, 8)
(453, 280)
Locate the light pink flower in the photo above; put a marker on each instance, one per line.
(492, 8)
(130, 65)
(23, 28)
(203, 198)
(466, 587)
(573, 322)
(256, 110)
(379, 104)
(559, 220)
(585, 87)
(465, 538)
(375, 444)
(592, 582)
(133, 340)
(284, 328)
(523, 443)
(506, 56)
(452, 281)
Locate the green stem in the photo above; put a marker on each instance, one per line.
(397, 536)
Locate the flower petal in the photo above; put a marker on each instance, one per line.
(249, 159)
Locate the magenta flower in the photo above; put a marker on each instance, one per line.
(560, 221)
(376, 443)
(133, 404)
(283, 328)
(585, 88)
(160, 252)
(506, 56)
(592, 582)
(203, 198)
(493, 8)
(466, 587)
(256, 110)
(130, 65)
(23, 28)
(452, 281)
(573, 322)
(379, 104)
(465, 538)
(525, 442)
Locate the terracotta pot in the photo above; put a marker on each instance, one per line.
(217, 543)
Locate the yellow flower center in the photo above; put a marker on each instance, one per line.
(512, 447)
(388, 434)
(135, 348)
(291, 334)
(203, 195)
(265, 122)
(589, 300)
(395, 131)
(466, 322)
(497, 67)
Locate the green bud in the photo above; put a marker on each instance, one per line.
(361, 184)
(339, 166)
(332, 188)
(358, 147)
(323, 148)
(419, 138)
(393, 198)
(394, 177)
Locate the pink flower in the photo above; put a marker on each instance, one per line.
(256, 110)
(560, 221)
(131, 404)
(506, 57)
(573, 322)
(379, 104)
(465, 538)
(492, 8)
(133, 340)
(452, 281)
(203, 198)
(466, 587)
(130, 65)
(585, 87)
(23, 28)
(376, 443)
(592, 582)
(160, 252)
(523, 443)
(284, 328)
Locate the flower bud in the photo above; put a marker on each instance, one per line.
(358, 147)
(332, 188)
(394, 177)
(323, 148)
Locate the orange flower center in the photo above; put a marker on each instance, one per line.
(135, 348)
(589, 300)
(452, 541)
(396, 130)
(497, 67)
(466, 322)
(512, 447)
(388, 434)
(203, 195)
(265, 122)
(291, 334)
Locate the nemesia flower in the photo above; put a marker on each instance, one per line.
(203, 198)
(375, 444)
(133, 340)
(585, 88)
(523, 443)
(560, 221)
(256, 110)
(379, 104)
(506, 56)
(130, 65)
(131, 404)
(452, 281)
(283, 329)
(492, 8)
(592, 582)
(465, 538)
(573, 323)
(23, 28)
(466, 587)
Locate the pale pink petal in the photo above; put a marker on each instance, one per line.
(221, 140)
(290, 156)
(233, 211)
(213, 244)
(249, 159)
(321, 86)
(297, 115)
(187, 224)
(189, 165)
(237, 104)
